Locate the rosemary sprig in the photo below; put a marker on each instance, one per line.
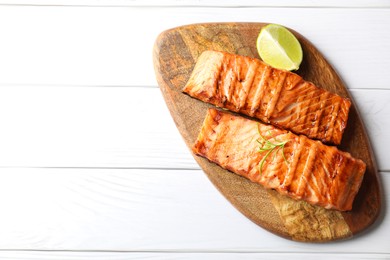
(267, 146)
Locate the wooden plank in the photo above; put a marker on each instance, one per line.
(204, 3)
(143, 210)
(88, 127)
(52, 126)
(56, 45)
(374, 114)
(54, 255)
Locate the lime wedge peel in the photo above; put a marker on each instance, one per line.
(279, 48)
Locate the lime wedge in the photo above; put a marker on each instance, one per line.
(279, 48)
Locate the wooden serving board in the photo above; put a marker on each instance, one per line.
(175, 54)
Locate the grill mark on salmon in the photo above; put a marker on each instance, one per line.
(259, 91)
(282, 98)
(309, 170)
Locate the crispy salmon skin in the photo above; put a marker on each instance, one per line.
(282, 98)
(301, 168)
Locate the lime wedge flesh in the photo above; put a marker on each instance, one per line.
(279, 48)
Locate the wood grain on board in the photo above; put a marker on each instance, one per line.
(175, 54)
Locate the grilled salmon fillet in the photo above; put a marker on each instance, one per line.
(282, 98)
(293, 165)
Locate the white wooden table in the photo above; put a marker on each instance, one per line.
(91, 163)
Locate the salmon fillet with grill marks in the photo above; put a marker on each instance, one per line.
(282, 98)
(303, 169)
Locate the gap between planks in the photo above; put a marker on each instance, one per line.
(73, 255)
(120, 168)
(37, 85)
(202, 4)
